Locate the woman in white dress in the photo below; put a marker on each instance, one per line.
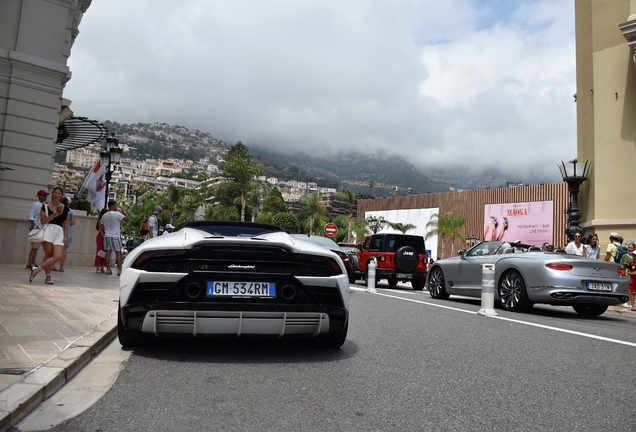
(575, 247)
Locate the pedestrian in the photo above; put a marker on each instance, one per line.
(575, 247)
(612, 247)
(629, 256)
(593, 249)
(631, 271)
(168, 229)
(153, 222)
(112, 230)
(100, 253)
(34, 221)
(54, 215)
(71, 222)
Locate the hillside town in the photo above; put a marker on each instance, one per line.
(159, 174)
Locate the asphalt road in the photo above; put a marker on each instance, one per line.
(410, 363)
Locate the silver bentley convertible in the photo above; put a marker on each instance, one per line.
(232, 279)
(525, 275)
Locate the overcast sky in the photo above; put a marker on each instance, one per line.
(463, 84)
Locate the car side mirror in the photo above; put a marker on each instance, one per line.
(359, 246)
(461, 254)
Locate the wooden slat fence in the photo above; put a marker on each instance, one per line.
(471, 203)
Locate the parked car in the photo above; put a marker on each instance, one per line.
(525, 275)
(399, 257)
(222, 278)
(329, 244)
(351, 249)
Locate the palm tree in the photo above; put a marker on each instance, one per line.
(313, 204)
(349, 198)
(447, 225)
(119, 189)
(401, 227)
(173, 197)
(360, 229)
(253, 202)
(139, 189)
(241, 178)
(371, 184)
(64, 179)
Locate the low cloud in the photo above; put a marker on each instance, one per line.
(455, 84)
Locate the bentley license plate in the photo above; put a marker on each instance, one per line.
(403, 276)
(593, 286)
(242, 289)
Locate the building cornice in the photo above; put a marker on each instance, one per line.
(628, 29)
(32, 63)
(608, 222)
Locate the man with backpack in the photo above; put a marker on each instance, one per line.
(615, 250)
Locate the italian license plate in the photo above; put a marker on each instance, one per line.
(242, 289)
(593, 286)
(403, 276)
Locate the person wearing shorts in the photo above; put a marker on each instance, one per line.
(34, 221)
(112, 230)
(54, 216)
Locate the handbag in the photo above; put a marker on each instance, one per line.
(101, 254)
(36, 235)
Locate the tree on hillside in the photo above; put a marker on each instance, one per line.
(274, 201)
(241, 177)
(446, 225)
(240, 151)
(64, 180)
(172, 197)
(139, 189)
(349, 198)
(314, 206)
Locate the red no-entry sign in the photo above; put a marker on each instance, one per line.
(331, 229)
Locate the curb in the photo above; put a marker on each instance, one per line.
(22, 397)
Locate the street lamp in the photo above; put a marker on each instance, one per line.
(111, 156)
(375, 223)
(574, 173)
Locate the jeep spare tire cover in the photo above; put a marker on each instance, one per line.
(406, 259)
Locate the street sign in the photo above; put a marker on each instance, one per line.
(331, 229)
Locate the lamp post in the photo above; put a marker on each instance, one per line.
(375, 223)
(574, 173)
(110, 157)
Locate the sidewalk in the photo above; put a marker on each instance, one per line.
(49, 332)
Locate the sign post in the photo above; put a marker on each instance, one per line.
(331, 229)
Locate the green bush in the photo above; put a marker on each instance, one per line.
(288, 222)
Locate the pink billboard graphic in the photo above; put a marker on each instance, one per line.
(527, 222)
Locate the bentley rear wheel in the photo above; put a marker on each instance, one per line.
(590, 310)
(512, 292)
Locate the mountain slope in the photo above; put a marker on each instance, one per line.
(380, 168)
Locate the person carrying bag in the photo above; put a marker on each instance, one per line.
(36, 235)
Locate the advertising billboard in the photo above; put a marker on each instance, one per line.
(418, 217)
(527, 222)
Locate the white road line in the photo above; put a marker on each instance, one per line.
(587, 335)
